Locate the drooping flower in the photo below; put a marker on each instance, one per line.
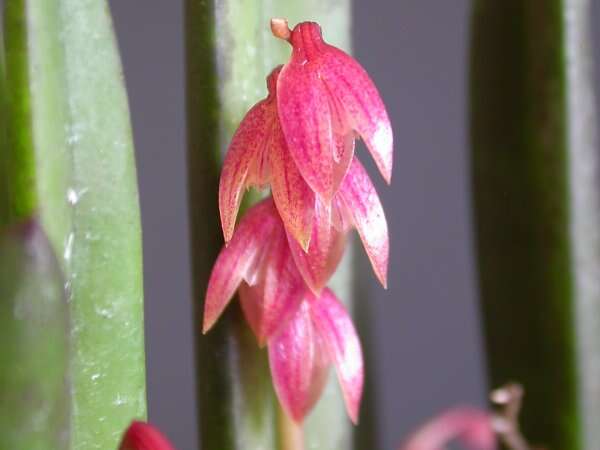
(258, 155)
(258, 255)
(470, 426)
(143, 436)
(320, 333)
(304, 333)
(324, 99)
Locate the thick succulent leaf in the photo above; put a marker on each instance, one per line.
(325, 251)
(244, 163)
(362, 204)
(143, 436)
(294, 198)
(238, 260)
(342, 344)
(472, 427)
(352, 87)
(71, 162)
(298, 364)
(306, 122)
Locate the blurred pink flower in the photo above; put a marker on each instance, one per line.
(470, 426)
(143, 436)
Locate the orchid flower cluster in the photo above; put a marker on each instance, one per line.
(299, 141)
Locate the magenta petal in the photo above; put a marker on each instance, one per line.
(343, 346)
(326, 248)
(350, 84)
(143, 436)
(471, 426)
(298, 364)
(305, 117)
(244, 163)
(238, 260)
(269, 305)
(362, 204)
(294, 198)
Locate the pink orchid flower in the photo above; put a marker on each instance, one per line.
(320, 333)
(143, 436)
(259, 155)
(470, 426)
(325, 98)
(261, 255)
(304, 333)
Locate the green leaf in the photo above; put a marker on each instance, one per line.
(230, 51)
(537, 211)
(34, 359)
(70, 159)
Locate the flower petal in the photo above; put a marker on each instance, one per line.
(473, 427)
(239, 259)
(350, 84)
(143, 436)
(269, 305)
(325, 251)
(294, 198)
(298, 364)
(335, 327)
(305, 118)
(362, 204)
(244, 163)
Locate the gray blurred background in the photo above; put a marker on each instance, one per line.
(427, 332)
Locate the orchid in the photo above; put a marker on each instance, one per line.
(143, 436)
(304, 332)
(299, 141)
(325, 98)
(258, 155)
(320, 333)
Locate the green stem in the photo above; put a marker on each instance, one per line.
(230, 51)
(70, 156)
(537, 211)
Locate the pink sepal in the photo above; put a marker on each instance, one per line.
(325, 250)
(240, 259)
(298, 364)
(343, 347)
(362, 205)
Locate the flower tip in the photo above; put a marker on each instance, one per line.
(280, 28)
(207, 324)
(143, 436)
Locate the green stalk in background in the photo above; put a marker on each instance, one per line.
(230, 51)
(69, 158)
(34, 394)
(537, 212)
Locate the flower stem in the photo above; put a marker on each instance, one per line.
(291, 434)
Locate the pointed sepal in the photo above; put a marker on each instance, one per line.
(239, 260)
(298, 364)
(342, 345)
(362, 205)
